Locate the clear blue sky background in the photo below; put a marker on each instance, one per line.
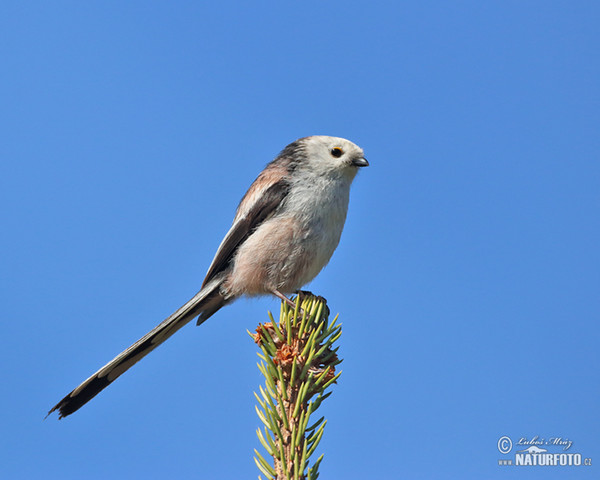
(467, 277)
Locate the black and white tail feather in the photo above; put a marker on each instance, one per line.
(204, 304)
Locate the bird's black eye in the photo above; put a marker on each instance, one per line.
(337, 152)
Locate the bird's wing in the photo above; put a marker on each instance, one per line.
(259, 203)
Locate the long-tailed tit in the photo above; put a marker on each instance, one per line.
(284, 232)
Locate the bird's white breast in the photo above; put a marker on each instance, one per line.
(320, 206)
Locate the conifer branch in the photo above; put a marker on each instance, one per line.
(299, 362)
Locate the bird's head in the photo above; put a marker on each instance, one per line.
(333, 154)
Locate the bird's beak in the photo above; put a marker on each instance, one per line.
(360, 162)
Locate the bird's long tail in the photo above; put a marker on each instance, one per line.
(205, 303)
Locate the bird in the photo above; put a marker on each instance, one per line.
(285, 230)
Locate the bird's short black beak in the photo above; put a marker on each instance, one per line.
(360, 162)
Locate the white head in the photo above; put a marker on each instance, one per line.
(333, 154)
(322, 155)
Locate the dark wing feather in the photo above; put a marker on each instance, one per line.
(264, 206)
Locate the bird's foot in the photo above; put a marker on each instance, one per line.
(306, 293)
(281, 296)
(291, 303)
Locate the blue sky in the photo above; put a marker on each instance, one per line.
(467, 277)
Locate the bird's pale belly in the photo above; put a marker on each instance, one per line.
(282, 254)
